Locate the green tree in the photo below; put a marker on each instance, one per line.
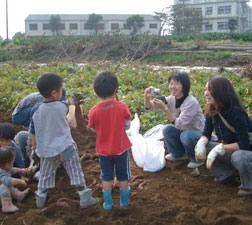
(93, 22)
(135, 23)
(186, 19)
(55, 24)
(1, 39)
(18, 35)
(232, 24)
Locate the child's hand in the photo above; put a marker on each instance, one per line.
(24, 170)
(22, 182)
(24, 178)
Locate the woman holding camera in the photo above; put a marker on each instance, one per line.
(233, 151)
(184, 112)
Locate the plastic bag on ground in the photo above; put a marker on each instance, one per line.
(148, 152)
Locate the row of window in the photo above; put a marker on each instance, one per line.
(74, 26)
(220, 26)
(221, 10)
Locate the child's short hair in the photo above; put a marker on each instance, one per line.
(48, 82)
(105, 84)
(7, 154)
(7, 131)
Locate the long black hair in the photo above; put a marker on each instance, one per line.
(224, 95)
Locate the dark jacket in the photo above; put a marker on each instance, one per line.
(236, 118)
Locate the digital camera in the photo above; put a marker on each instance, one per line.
(155, 91)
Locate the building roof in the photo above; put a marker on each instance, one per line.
(109, 17)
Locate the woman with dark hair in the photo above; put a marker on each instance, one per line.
(226, 115)
(183, 111)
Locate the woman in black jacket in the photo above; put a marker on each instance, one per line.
(226, 116)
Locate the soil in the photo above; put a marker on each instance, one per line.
(171, 196)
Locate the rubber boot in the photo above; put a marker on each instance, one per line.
(40, 199)
(108, 204)
(124, 197)
(7, 206)
(86, 198)
(19, 195)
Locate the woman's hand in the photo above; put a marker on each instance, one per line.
(147, 99)
(217, 150)
(147, 92)
(159, 104)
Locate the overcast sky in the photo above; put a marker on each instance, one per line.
(20, 9)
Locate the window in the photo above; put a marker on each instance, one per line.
(62, 26)
(33, 26)
(222, 25)
(224, 9)
(86, 27)
(153, 26)
(114, 26)
(199, 10)
(209, 11)
(73, 26)
(46, 26)
(208, 27)
(125, 27)
(101, 26)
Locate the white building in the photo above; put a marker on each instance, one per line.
(73, 24)
(216, 13)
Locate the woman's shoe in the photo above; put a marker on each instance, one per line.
(169, 157)
(244, 193)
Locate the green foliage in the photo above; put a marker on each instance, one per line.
(245, 36)
(93, 22)
(55, 24)
(19, 81)
(232, 24)
(135, 23)
(20, 39)
(175, 57)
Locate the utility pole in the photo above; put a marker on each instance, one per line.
(183, 17)
(7, 32)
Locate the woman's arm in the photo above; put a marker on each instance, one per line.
(231, 147)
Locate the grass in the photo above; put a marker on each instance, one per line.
(176, 57)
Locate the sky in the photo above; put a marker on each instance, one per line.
(18, 10)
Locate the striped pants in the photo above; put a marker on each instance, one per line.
(72, 166)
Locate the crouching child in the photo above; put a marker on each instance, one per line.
(8, 183)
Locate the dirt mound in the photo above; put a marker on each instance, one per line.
(171, 196)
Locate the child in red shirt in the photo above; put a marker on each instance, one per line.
(109, 118)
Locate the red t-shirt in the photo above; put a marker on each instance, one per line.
(108, 120)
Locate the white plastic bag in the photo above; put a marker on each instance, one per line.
(148, 153)
(154, 156)
(134, 126)
(155, 132)
(138, 149)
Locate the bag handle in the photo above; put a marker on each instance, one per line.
(226, 123)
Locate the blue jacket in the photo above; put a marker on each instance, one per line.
(19, 163)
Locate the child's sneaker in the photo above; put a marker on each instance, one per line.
(86, 198)
(40, 199)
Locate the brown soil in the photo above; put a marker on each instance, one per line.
(171, 196)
